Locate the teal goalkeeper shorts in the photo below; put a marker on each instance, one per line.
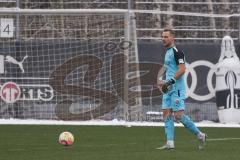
(174, 100)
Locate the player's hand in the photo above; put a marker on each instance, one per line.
(167, 85)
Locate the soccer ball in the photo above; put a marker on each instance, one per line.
(66, 138)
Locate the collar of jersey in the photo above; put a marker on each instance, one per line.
(170, 47)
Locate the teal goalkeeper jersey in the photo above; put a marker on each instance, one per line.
(173, 58)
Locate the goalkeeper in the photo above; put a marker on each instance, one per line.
(174, 91)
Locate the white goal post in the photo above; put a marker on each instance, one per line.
(69, 64)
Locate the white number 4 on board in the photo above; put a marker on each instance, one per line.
(6, 29)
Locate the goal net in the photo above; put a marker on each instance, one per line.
(68, 65)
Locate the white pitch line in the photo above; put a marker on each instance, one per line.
(222, 139)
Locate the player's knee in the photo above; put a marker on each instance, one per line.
(181, 118)
(178, 118)
(168, 118)
(167, 112)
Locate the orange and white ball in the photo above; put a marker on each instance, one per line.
(66, 138)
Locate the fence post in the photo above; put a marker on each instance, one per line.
(239, 22)
(17, 21)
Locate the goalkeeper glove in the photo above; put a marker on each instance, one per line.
(168, 85)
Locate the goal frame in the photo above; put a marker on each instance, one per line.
(129, 33)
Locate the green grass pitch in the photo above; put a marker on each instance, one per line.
(39, 142)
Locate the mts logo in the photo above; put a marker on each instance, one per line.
(10, 59)
(10, 92)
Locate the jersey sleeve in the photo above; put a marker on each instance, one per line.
(179, 56)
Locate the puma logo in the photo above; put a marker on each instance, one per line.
(10, 59)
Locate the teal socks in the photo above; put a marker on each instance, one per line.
(169, 127)
(188, 123)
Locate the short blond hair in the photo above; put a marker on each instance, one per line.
(168, 29)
